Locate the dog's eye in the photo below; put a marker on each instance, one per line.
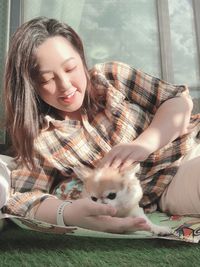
(112, 195)
(94, 199)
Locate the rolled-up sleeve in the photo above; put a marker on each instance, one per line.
(29, 189)
(139, 87)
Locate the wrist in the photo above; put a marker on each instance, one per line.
(149, 140)
(60, 213)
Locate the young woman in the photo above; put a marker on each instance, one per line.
(60, 115)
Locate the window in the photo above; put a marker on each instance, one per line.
(184, 44)
(130, 35)
(161, 37)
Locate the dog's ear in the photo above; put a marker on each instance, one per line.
(83, 172)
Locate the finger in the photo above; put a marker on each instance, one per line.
(107, 160)
(121, 159)
(126, 164)
(116, 163)
(98, 209)
(129, 162)
(135, 224)
(104, 164)
(122, 225)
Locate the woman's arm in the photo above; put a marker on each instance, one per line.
(170, 121)
(89, 214)
(33, 200)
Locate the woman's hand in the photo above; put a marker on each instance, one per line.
(170, 121)
(95, 216)
(124, 155)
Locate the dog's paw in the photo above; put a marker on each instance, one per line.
(161, 230)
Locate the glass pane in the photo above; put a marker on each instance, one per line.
(124, 30)
(3, 46)
(184, 44)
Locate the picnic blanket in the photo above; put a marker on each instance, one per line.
(183, 228)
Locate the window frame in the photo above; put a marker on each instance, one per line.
(165, 40)
(196, 10)
(15, 19)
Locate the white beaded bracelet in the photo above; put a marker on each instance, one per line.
(60, 210)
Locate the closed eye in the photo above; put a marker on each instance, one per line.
(111, 196)
(70, 69)
(94, 199)
(47, 81)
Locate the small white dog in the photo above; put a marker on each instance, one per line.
(122, 190)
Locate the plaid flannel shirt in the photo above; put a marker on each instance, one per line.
(129, 98)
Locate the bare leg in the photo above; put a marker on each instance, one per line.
(182, 196)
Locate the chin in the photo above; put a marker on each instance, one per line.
(75, 107)
(71, 108)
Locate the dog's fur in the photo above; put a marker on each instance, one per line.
(122, 190)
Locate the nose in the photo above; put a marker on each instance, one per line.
(103, 200)
(64, 82)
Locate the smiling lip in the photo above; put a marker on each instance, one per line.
(68, 98)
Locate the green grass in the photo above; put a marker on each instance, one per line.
(27, 248)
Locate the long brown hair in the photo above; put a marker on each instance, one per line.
(24, 108)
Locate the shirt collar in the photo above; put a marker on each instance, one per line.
(58, 122)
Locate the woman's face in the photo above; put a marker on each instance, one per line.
(62, 79)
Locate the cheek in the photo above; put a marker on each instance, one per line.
(80, 82)
(47, 91)
(80, 78)
(84, 83)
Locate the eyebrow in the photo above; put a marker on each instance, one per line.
(64, 62)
